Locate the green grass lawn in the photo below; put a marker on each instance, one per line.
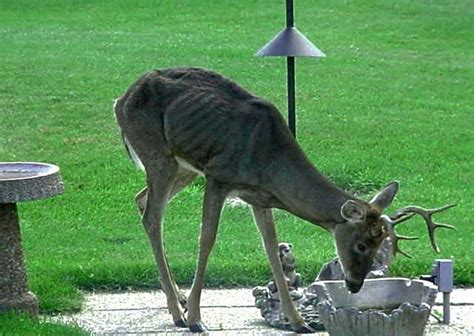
(392, 100)
(20, 324)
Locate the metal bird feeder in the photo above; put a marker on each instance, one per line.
(290, 43)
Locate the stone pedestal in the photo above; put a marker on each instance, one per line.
(14, 293)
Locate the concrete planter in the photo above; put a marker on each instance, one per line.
(385, 306)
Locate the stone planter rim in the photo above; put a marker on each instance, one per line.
(407, 318)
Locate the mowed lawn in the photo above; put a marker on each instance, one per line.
(393, 100)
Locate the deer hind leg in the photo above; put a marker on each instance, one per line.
(266, 225)
(183, 178)
(160, 179)
(214, 197)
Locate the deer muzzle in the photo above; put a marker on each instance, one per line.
(354, 286)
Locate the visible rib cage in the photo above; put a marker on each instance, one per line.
(205, 119)
(197, 111)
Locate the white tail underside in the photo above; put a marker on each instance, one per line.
(133, 154)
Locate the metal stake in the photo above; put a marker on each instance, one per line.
(446, 307)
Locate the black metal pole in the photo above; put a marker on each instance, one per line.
(290, 69)
(290, 62)
(289, 13)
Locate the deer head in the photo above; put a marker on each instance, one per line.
(359, 237)
(365, 227)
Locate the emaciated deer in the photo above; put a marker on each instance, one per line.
(180, 122)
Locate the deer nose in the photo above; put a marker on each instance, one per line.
(354, 286)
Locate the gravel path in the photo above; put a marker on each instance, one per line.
(226, 311)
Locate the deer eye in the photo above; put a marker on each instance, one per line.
(361, 248)
(376, 232)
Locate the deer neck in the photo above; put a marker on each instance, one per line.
(303, 191)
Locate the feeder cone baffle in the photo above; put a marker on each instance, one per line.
(290, 43)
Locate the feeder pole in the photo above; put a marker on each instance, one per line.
(290, 43)
(290, 65)
(290, 70)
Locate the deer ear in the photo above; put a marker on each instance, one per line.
(352, 210)
(384, 197)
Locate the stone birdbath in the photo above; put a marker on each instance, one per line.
(20, 181)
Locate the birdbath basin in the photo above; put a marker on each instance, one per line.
(25, 181)
(20, 181)
(384, 306)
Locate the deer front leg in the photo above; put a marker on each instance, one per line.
(160, 182)
(214, 197)
(266, 225)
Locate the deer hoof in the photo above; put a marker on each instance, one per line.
(305, 329)
(181, 323)
(198, 328)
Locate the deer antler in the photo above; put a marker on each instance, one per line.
(390, 224)
(427, 216)
(408, 212)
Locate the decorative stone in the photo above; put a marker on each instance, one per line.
(20, 182)
(268, 301)
(387, 306)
